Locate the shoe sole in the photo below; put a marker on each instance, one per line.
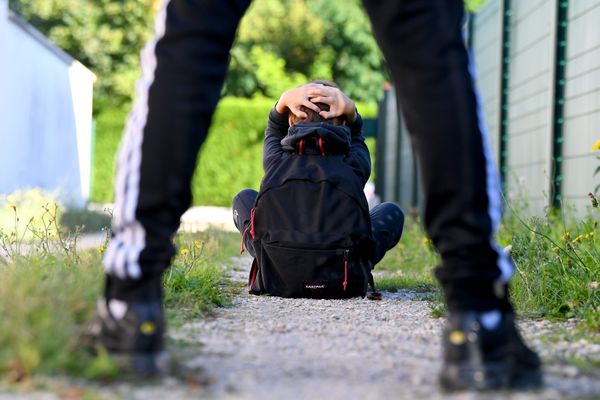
(490, 376)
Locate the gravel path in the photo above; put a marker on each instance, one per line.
(267, 347)
(272, 348)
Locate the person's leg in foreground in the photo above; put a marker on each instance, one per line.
(183, 71)
(423, 45)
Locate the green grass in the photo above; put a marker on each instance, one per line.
(48, 292)
(195, 282)
(558, 265)
(557, 259)
(410, 264)
(45, 299)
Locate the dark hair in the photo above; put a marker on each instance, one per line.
(313, 116)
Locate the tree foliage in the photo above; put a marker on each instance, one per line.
(287, 42)
(105, 35)
(474, 5)
(280, 44)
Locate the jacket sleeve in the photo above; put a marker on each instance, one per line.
(359, 157)
(277, 128)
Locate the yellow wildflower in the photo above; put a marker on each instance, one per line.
(101, 249)
(578, 239)
(14, 207)
(184, 252)
(425, 240)
(198, 244)
(566, 237)
(596, 146)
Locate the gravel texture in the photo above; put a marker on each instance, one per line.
(267, 347)
(273, 348)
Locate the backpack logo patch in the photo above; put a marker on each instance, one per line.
(315, 285)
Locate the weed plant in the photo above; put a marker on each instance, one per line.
(49, 289)
(557, 265)
(47, 293)
(557, 261)
(195, 282)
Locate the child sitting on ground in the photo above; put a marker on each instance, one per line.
(309, 228)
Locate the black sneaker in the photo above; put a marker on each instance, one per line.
(133, 332)
(481, 359)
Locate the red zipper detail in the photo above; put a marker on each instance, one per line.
(301, 146)
(252, 212)
(243, 237)
(254, 271)
(345, 283)
(321, 146)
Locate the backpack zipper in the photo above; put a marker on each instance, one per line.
(346, 256)
(249, 228)
(252, 214)
(244, 237)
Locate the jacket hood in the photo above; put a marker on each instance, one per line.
(321, 137)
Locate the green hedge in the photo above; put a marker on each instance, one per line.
(230, 160)
(109, 128)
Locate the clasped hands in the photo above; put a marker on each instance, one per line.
(309, 94)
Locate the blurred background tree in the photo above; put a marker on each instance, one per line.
(105, 35)
(280, 44)
(287, 42)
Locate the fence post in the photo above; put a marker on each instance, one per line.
(387, 142)
(504, 92)
(380, 145)
(562, 18)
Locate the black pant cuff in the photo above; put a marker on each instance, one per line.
(148, 288)
(464, 292)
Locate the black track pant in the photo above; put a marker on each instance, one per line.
(183, 71)
(387, 220)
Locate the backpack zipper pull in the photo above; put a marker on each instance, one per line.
(243, 237)
(346, 256)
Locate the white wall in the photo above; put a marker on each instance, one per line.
(45, 114)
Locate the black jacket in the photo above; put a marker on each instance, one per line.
(279, 136)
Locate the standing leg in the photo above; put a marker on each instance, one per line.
(423, 45)
(387, 220)
(183, 70)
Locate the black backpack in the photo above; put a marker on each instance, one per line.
(310, 224)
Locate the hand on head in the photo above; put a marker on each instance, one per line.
(292, 101)
(339, 104)
(306, 96)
